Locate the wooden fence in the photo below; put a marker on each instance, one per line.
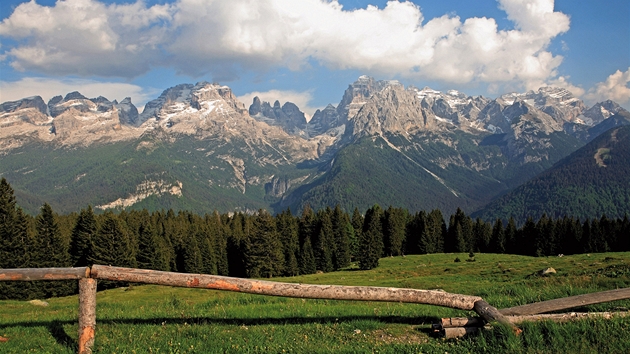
(87, 278)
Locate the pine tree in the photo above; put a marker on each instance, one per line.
(324, 242)
(9, 241)
(192, 260)
(52, 251)
(395, 224)
(343, 233)
(307, 259)
(545, 236)
(432, 239)
(81, 240)
(357, 225)
(497, 244)
(371, 241)
(217, 228)
(16, 246)
(264, 251)
(111, 245)
(460, 233)
(152, 252)
(288, 228)
(236, 246)
(482, 239)
(510, 236)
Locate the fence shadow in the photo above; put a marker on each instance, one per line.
(57, 331)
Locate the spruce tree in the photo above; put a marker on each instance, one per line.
(394, 229)
(432, 238)
(111, 244)
(357, 225)
(192, 260)
(497, 244)
(307, 259)
(511, 236)
(9, 241)
(324, 242)
(483, 238)
(413, 233)
(371, 241)
(217, 228)
(81, 240)
(15, 245)
(288, 229)
(52, 251)
(264, 251)
(342, 230)
(152, 252)
(236, 246)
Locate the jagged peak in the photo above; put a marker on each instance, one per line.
(74, 95)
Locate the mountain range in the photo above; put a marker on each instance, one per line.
(196, 147)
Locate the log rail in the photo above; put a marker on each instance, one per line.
(88, 277)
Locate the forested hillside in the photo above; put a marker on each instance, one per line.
(592, 181)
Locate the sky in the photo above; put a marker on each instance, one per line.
(309, 51)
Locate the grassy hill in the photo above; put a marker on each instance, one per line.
(153, 319)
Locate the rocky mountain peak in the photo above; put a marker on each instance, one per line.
(393, 109)
(35, 102)
(74, 95)
(357, 94)
(600, 112)
(287, 116)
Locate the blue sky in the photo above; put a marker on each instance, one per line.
(308, 51)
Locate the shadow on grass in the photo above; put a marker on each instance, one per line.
(57, 331)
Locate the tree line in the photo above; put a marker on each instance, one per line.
(263, 245)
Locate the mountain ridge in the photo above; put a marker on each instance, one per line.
(465, 149)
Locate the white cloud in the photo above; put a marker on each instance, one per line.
(614, 88)
(301, 99)
(223, 38)
(48, 88)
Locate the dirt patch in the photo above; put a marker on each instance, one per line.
(600, 157)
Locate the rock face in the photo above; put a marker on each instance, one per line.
(601, 111)
(127, 112)
(35, 102)
(23, 121)
(288, 116)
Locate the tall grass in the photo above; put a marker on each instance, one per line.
(155, 319)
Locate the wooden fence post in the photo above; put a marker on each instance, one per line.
(87, 314)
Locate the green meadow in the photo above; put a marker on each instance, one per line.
(158, 319)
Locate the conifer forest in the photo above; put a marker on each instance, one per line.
(262, 245)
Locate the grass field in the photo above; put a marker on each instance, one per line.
(155, 319)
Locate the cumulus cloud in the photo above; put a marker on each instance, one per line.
(301, 99)
(48, 88)
(614, 88)
(223, 38)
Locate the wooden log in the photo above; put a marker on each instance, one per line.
(568, 302)
(455, 322)
(491, 314)
(253, 286)
(87, 315)
(458, 332)
(30, 274)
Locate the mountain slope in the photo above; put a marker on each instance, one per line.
(197, 147)
(592, 181)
